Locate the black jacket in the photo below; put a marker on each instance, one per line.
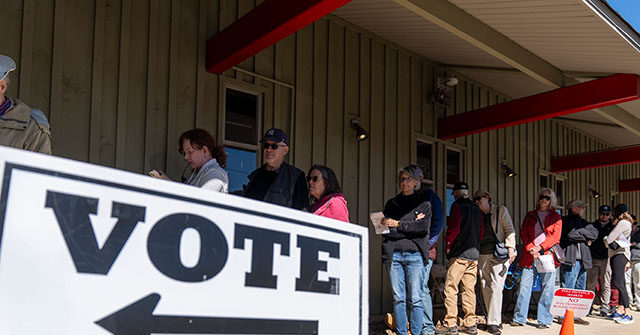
(405, 209)
(576, 232)
(464, 230)
(285, 186)
(598, 249)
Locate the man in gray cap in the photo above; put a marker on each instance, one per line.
(577, 234)
(20, 126)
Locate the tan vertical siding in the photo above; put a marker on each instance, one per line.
(121, 79)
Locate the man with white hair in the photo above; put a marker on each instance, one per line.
(20, 126)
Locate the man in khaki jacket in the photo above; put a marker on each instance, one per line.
(498, 233)
(20, 126)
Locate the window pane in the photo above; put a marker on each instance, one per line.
(453, 167)
(241, 119)
(560, 192)
(240, 163)
(544, 181)
(424, 158)
(450, 200)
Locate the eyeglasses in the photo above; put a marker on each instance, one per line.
(403, 179)
(478, 198)
(273, 146)
(544, 197)
(314, 178)
(604, 213)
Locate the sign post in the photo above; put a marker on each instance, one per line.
(577, 300)
(86, 249)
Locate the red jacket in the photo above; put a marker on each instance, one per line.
(552, 229)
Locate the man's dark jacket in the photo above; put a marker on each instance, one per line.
(576, 232)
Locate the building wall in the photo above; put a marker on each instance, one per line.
(121, 79)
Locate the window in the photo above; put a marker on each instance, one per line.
(454, 174)
(424, 159)
(241, 134)
(544, 180)
(241, 117)
(454, 166)
(559, 189)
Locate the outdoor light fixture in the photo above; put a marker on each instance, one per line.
(508, 172)
(594, 193)
(361, 134)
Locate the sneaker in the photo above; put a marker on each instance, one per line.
(581, 321)
(614, 316)
(516, 324)
(493, 329)
(473, 330)
(603, 314)
(389, 321)
(542, 326)
(626, 319)
(442, 330)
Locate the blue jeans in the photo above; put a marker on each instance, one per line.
(573, 276)
(548, 281)
(406, 272)
(427, 319)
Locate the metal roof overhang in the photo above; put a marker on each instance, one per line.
(519, 48)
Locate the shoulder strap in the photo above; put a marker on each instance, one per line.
(497, 221)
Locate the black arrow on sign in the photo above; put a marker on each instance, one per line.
(138, 319)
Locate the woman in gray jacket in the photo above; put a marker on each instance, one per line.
(619, 255)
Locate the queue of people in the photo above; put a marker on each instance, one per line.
(480, 239)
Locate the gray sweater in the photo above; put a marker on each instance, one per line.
(211, 176)
(622, 229)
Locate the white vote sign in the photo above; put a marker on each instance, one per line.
(89, 250)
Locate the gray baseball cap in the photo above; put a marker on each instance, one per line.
(6, 65)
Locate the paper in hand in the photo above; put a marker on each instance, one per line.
(376, 219)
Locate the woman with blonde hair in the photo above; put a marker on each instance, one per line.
(619, 255)
(541, 230)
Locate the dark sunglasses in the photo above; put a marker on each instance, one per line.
(478, 198)
(314, 178)
(273, 146)
(545, 197)
(604, 213)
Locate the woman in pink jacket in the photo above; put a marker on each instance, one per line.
(327, 197)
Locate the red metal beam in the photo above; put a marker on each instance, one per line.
(629, 185)
(265, 25)
(611, 90)
(596, 159)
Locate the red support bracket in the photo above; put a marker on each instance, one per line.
(629, 185)
(610, 90)
(262, 27)
(596, 159)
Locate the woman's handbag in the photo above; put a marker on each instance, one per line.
(500, 252)
(556, 250)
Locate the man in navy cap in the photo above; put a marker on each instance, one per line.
(276, 181)
(20, 126)
(600, 270)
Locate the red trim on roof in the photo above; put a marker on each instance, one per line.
(629, 185)
(596, 159)
(270, 22)
(596, 93)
